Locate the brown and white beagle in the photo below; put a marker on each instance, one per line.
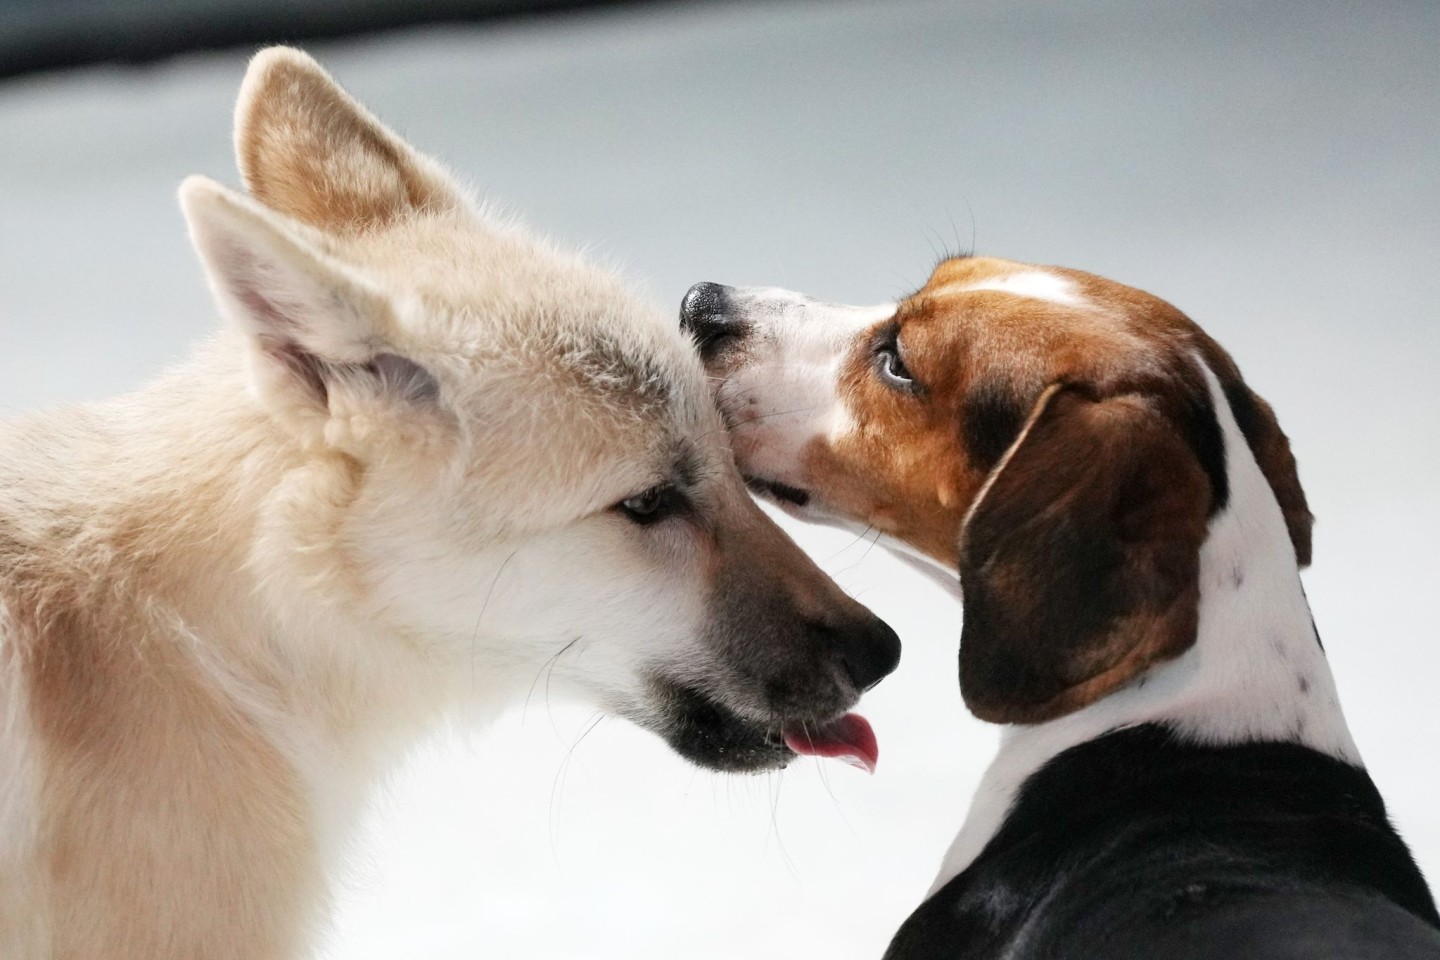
(1124, 519)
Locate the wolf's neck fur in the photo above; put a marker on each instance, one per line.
(211, 554)
(1256, 671)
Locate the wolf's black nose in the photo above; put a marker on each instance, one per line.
(870, 652)
(706, 315)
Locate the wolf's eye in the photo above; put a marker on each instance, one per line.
(657, 503)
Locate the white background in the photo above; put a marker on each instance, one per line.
(1272, 173)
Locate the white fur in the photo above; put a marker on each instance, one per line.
(796, 398)
(1240, 681)
(1032, 284)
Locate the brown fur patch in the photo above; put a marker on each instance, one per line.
(296, 129)
(1080, 563)
(915, 461)
(1063, 603)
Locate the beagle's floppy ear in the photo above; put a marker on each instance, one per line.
(1079, 562)
(307, 149)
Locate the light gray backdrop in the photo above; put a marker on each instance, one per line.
(1270, 168)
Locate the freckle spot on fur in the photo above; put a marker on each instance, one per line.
(1304, 684)
(1237, 577)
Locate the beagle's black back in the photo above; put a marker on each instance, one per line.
(1137, 845)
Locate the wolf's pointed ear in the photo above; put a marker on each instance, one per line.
(314, 328)
(307, 149)
(1079, 562)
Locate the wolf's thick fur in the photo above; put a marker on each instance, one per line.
(406, 477)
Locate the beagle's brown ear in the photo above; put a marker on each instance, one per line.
(1079, 563)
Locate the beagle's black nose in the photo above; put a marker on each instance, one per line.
(706, 314)
(870, 653)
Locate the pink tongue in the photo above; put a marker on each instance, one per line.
(849, 738)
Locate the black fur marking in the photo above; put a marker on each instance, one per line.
(991, 419)
(1202, 430)
(774, 489)
(1137, 845)
(711, 735)
(1247, 415)
(687, 466)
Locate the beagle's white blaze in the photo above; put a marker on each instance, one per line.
(1256, 671)
(801, 344)
(1034, 284)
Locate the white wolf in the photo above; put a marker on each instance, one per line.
(428, 456)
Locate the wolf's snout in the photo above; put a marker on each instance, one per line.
(868, 648)
(706, 315)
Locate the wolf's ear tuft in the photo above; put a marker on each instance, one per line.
(307, 149)
(311, 323)
(1079, 563)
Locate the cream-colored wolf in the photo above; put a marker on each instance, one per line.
(429, 456)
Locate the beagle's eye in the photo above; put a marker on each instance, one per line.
(652, 505)
(890, 367)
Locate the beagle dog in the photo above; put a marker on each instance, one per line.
(1124, 519)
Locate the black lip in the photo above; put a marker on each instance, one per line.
(706, 732)
(776, 490)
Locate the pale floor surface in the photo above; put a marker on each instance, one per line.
(1273, 174)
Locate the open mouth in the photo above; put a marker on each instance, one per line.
(781, 492)
(710, 734)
